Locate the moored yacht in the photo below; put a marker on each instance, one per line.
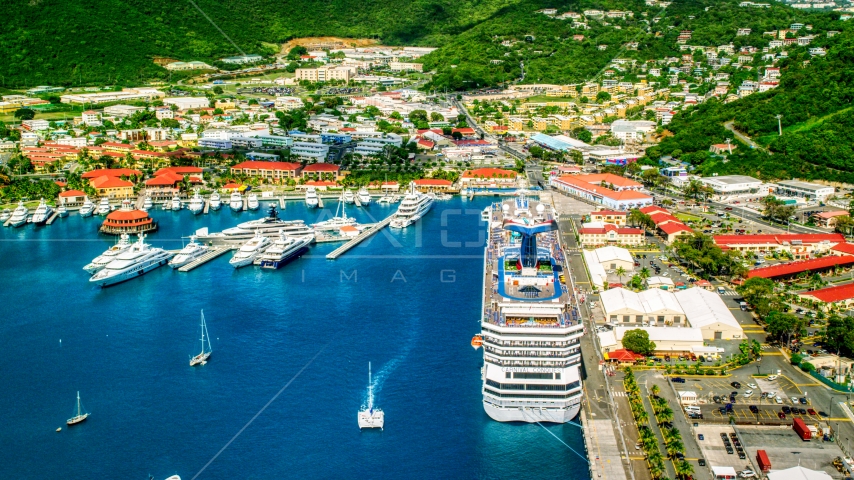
(196, 204)
(103, 206)
(284, 249)
(19, 215)
(269, 225)
(6, 214)
(337, 221)
(137, 260)
(177, 204)
(252, 202)
(191, 252)
(370, 417)
(216, 201)
(364, 196)
(236, 202)
(348, 196)
(109, 255)
(249, 251)
(147, 203)
(42, 213)
(62, 211)
(414, 205)
(87, 209)
(384, 199)
(81, 415)
(311, 200)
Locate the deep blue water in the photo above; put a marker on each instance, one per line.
(407, 301)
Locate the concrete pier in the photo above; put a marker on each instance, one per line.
(52, 218)
(213, 252)
(357, 240)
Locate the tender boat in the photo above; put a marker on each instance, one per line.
(109, 255)
(252, 202)
(477, 341)
(147, 203)
(364, 196)
(205, 354)
(103, 206)
(80, 415)
(216, 201)
(19, 215)
(134, 262)
(236, 202)
(485, 214)
(42, 213)
(191, 252)
(349, 197)
(414, 205)
(62, 211)
(269, 225)
(87, 209)
(311, 200)
(250, 251)
(284, 249)
(370, 417)
(177, 204)
(196, 204)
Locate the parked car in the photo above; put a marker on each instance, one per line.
(677, 380)
(778, 400)
(752, 385)
(700, 436)
(754, 409)
(786, 409)
(735, 385)
(717, 399)
(795, 400)
(771, 378)
(802, 411)
(701, 462)
(748, 393)
(803, 400)
(781, 415)
(811, 411)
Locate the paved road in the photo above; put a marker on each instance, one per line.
(744, 138)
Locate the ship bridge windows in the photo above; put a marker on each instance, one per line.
(534, 386)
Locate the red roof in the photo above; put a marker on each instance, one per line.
(71, 193)
(611, 228)
(464, 131)
(846, 248)
(672, 227)
(110, 182)
(435, 182)
(320, 167)
(609, 212)
(426, 144)
(60, 184)
(833, 294)
(231, 186)
(792, 268)
(489, 173)
(178, 170)
(260, 165)
(649, 210)
(778, 239)
(127, 215)
(659, 218)
(111, 172)
(623, 355)
(838, 213)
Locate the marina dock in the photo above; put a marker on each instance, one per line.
(319, 202)
(358, 203)
(213, 253)
(357, 240)
(207, 206)
(282, 203)
(52, 217)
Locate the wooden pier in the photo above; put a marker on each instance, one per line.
(357, 240)
(52, 218)
(213, 252)
(8, 222)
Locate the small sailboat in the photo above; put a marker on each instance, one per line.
(202, 357)
(370, 417)
(80, 415)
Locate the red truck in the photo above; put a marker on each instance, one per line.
(762, 460)
(801, 429)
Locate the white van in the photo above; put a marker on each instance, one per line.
(693, 409)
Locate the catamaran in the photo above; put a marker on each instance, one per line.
(370, 417)
(202, 357)
(80, 415)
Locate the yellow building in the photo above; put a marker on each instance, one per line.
(112, 187)
(540, 123)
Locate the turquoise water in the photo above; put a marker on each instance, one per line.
(407, 301)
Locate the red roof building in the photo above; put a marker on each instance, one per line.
(610, 235)
(597, 188)
(623, 356)
(432, 184)
(180, 171)
(268, 170)
(791, 269)
(840, 294)
(321, 170)
(111, 172)
(613, 217)
(127, 220)
(844, 248)
(800, 245)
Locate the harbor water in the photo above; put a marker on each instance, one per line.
(280, 394)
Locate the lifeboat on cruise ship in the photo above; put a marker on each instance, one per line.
(476, 341)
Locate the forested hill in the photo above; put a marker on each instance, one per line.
(815, 100)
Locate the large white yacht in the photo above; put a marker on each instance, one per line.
(191, 252)
(177, 204)
(147, 204)
(269, 225)
(252, 202)
(133, 262)
(530, 328)
(103, 206)
(414, 205)
(249, 251)
(364, 196)
(216, 201)
(337, 221)
(196, 204)
(19, 215)
(42, 213)
(236, 201)
(348, 196)
(109, 255)
(284, 249)
(311, 200)
(87, 208)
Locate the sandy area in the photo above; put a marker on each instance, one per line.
(328, 42)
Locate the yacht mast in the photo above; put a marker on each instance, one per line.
(370, 390)
(78, 403)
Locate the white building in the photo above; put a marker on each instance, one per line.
(219, 134)
(77, 142)
(632, 129)
(187, 103)
(288, 103)
(810, 191)
(601, 260)
(144, 94)
(667, 339)
(732, 184)
(121, 111)
(91, 117)
(405, 66)
(240, 59)
(798, 473)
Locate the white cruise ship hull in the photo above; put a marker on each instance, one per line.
(133, 272)
(531, 414)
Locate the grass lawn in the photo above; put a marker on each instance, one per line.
(546, 98)
(687, 218)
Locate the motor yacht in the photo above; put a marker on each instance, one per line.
(249, 251)
(177, 204)
(414, 205)
(43, 213)
(103, 206)
(364, 196)
(87, 209)
(19, 215)
(6, 214)
(196, 204)
(269, 225)
(147, 203)
(134, 262)
(384, 199)
(252, 202)
(349, 197)
(109, 255)
(311, 200)
(284, 249)
(216, 201)
(189, 253)
(236, 202)
(62, 211)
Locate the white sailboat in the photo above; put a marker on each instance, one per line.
(80, 415)
(202, 357)
(336, 222)
(370, 417)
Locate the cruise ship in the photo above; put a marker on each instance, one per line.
(137, 260)
(530, 329)
(243, 232)
(413, 206)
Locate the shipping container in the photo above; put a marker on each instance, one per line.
(762, 461)
(801, 429)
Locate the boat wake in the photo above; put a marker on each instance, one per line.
(390, 367)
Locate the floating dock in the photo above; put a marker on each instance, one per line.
(207, 206)
(282, 203)
(213, 252)
(356, 198)
(357, 240)
(52, 217)
(319, 202)
(323, 236)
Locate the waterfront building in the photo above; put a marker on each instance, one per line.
(127, 220)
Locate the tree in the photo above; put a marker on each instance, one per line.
(418, 116)
(217, 90)
(844, 225)
(655, 390)
(759, 292)
(25, 113)
(585, 136)
(296, 52)
(637, 341)
(782, 325)
(603, 96)
(683, 468)
(696, 189)
(620, 272)
(436, 117)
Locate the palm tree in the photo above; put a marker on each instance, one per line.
(674, 447)
(641, 417)
(683, 468)
(644, 274)
(656, 469)
(620, 272)
(665, 415)
(655, 390)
